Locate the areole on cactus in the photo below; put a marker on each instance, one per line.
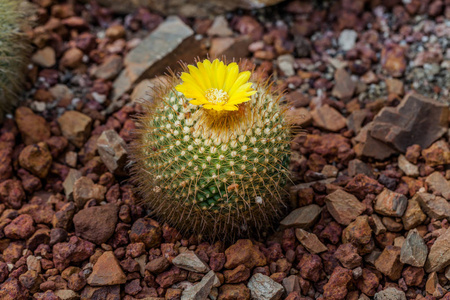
(211, 151)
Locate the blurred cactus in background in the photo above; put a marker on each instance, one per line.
(14, 51)
(212, 150)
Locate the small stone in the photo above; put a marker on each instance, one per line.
(328, 118)
(408, 168)
(263, 287)
(310, 241)
(133, 287)
(113, 152)
(303, 217)
(12, 193)
(394, 86)
(67, 294)
(72, 58)
(389, 263)
(170, 277)
(348, 255)
(377, 226)
(390, 294)
(157, 265)
(358, 232)
(61, 93)
(202, 289)
(344, 207)
(347, 39)
(234, 292)
(336, 287)
(330, 171)
(345, 86)
(393, 59)
(21, 227)
(390, 204)
(188, 260)
(85, 189)
(45, 57)
(286, 64)
(75, 126)
(439, 256)
(97, 223)
(433, 287)
(368, 282)
(106, 271)
(413, 276)
(434, 206)
(291, 284)
(413, 215)
(12, 289)
(437, 154)
(220, 27)
(75, 250)
(110, 67)
(69, 182)
(36, 159)
(414, 251)
(230, 47)
(146, 231)
(33, 128)
(63, 217)
(115, 32)
(244, 252)
(438, 185)
(298, 116)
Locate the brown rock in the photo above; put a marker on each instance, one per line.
(157, 265)
(299, 116)
(310, 241)
(63, 217)
(390, 204)
(234, 292)
(437, 154)
(106, 271)
(344, 207)
(433, 287)
(45, 57)
(21, 227)
(394, 86)
(310, 267)
(113, 152)
(244, 252)
(345, 86)
(172, 39)
(12, 289)
(434, 206)
(389, 263)
(328, 118)
(69, 182)
(36, 159)
(303, 217)
(97, 223)
(361, 185)
(146, 231)
(413, 215)
(336, 287)
(12, 193)
(358, 232)
(171, 277)
(72, 58)
(75, 126)
(33, 128)
(75, 250)
(220, 27)
(416, 120)
(439, 256)
(237, 275)
(110, 67)
(84, 190)
(393, 59)
(191, 262)
(413, 276)
(408, 168)
(236, 47)
(348, 255)
(438, 185)
(115, 32)
(368, 282)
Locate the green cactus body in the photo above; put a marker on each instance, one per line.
(14, 51)
(215, 173)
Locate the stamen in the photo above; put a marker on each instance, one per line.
(216, 96)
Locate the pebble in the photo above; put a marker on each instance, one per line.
(12, 193)
(72, 58)
(408, 168)
(33, 128)
(389, 263)
(263, 287)
(146, 231)
(191, 262)
(347, 39)
(413, 215)
(310, 241)
(434, 206)
(438, 185)
(157, 265)
(106, 271)
(69, 182)
(345, 87)
(344, 207)
(84, 189)
(220, 27)
(348, 255)
(390, 294)
(234, 291)
(439, 256)
(390, 204)
(246, 253)
(36, 159)
(45, 57)
(336, 287)
(303, 217)
(414, 251)
(75, 126)
(286, 64)
(113, 152)
(110, 67)
(202, 289)
(328, 118)
(21, 227)
(96, 224)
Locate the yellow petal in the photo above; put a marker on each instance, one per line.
(242, 78)
(231, 76)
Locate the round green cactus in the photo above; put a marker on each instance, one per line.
(14, 51)
(218, 167)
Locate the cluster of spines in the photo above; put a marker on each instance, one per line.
(233, 177)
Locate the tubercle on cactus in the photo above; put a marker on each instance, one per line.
(218, 173)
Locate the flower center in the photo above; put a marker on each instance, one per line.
(216, 96)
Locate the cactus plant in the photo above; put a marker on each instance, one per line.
(14, 51)
(211, 151)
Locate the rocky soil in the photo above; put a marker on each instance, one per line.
(369, 83)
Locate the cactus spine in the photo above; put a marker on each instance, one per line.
(218, 171)
(14, 51)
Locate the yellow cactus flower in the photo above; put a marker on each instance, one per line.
(215, 85)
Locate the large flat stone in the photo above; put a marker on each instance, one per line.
(171, 42)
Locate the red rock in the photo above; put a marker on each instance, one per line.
(21, 227)
(368, 282)
(146, 231)
(37, 159)
(437, 154)
(310, 267)
(6, 169)
(75, 126)
(348, 255)
(72, 58)
(361, 185)
(11, 289)
(393, 59)
(76, 250)
(389, 263)
(244, 252)
(344, 207)
(234, 292)
(84, 190)
(358, 232)
(30, 183)
(328, 118)
(12, 193)
(345, 86)
(413, 275)
(217, 261)
(171, 277)
(336, 287)
(63, 217)
(247, 25)
(106, 271)
(237, 275)
(33, 128)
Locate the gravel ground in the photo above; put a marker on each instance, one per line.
(369, 84)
